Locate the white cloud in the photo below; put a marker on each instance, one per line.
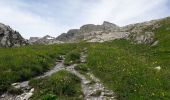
(26, 23)
(126, 11)
(76, 13)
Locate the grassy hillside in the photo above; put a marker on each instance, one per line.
(18, 64)
(129, 69)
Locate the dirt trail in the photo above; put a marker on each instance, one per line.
(92, 87)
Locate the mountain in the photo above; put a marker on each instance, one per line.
(44, 40)
(10, 38)
(87, 32)
(33, 39)
(138, 33)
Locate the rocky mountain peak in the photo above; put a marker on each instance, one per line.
(110, 25)
(44, 40)
(90, 27)
(48, 37)
(10, 38)
(139, 32)
(33, 39)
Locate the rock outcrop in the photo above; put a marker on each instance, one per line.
(44, 40)
(142, 32)
(10, 38)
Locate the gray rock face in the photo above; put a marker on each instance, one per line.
(138, 33)
(33, 39)
(112, 27)
(69, 36)
(145, 37)
(10, 38)
(142, 32)
(44, 40)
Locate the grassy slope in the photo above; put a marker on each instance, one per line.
(129, 69)
(61, 85)
(17, 64)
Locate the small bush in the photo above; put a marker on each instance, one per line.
(49, 97)
(14, 91)
(81, 67)
(72, 57)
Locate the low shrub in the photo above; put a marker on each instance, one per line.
(82, 68)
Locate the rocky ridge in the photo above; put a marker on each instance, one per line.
(138, 33)
(89, 32)
(33, 39)
(10, 38)
(44, 40)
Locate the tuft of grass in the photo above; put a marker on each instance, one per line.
(49, 97)
(72, 57)
(61, 85)
(82, 68)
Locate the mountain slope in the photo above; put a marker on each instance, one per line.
(10, 38)
(135, 71)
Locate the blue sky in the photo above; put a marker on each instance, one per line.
(53, 17)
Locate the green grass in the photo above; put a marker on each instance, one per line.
(61, 85)
(129, 70)
(72, 57)
(163, 35)
(18, 64)
(82, 68)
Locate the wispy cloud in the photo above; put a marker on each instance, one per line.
(41, 17)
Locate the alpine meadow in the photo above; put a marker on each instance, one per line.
(94, 62)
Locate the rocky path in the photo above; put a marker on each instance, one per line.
(92, 87)
(27, 90)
